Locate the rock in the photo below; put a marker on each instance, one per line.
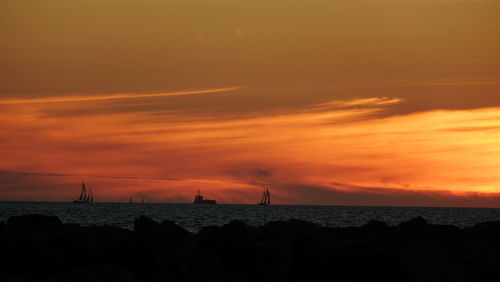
(165, 231)
(376, 224)
(441, 233)
(235, 226)
(489, 226)
(484, 231)
(413, 224)
(410, 229)
(423, 260)
(144, 224)
(40, 248)
(230, 249)
(275, 259)
(174, 231)
(291, 228)
(374, 231)
(165, 244)
(34, 221)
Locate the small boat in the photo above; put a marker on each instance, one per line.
(266, 198)
(85, 198)
(198, 199)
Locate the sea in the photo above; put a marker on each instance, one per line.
(194, 217)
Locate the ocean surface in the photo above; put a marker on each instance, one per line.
(194, 217)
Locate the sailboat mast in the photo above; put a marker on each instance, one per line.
(86, 197)
(82, 194)
(268, 197)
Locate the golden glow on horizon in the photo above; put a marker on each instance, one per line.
(450, 151)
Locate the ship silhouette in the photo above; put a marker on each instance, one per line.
(85, 198)
(198, 199)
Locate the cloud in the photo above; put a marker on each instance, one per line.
(257, 172)
(28, 173)
(171, 154)
(88, 98)
(375, 101)
(239, 33)
(474, 129)
(458, 1)
(201, 38)
(380, 196)
(465, 81)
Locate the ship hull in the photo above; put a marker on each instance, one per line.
(81, 202)
(205, 202)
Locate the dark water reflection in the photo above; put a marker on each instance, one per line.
(194, 217)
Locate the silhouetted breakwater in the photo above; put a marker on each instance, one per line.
(41, 248)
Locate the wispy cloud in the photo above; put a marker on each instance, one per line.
(88, 98)
(375, 101)
(427, 82)
(201, 38)
(239, 33)
(455, 1)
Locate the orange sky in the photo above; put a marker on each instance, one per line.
(326, 102)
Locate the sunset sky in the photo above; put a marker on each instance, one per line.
(328, 102)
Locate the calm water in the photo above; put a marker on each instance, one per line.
(194, 217)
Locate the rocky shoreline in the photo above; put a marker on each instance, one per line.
(41, 248)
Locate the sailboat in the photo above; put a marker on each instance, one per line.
(266, 198)
(85, 198)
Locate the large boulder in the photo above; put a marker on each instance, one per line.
(144, 224)
(491, 227)
(441, 233)
(291, 228)
(174, 231)
(167, 230)
(34, 221)
(236, 229)
(166, 244)
(229, 248)
(486, 230)
(413, 224)
(376, 225)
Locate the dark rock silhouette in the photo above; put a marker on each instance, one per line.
(414, 224)
(34, 221)
(41, 248)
